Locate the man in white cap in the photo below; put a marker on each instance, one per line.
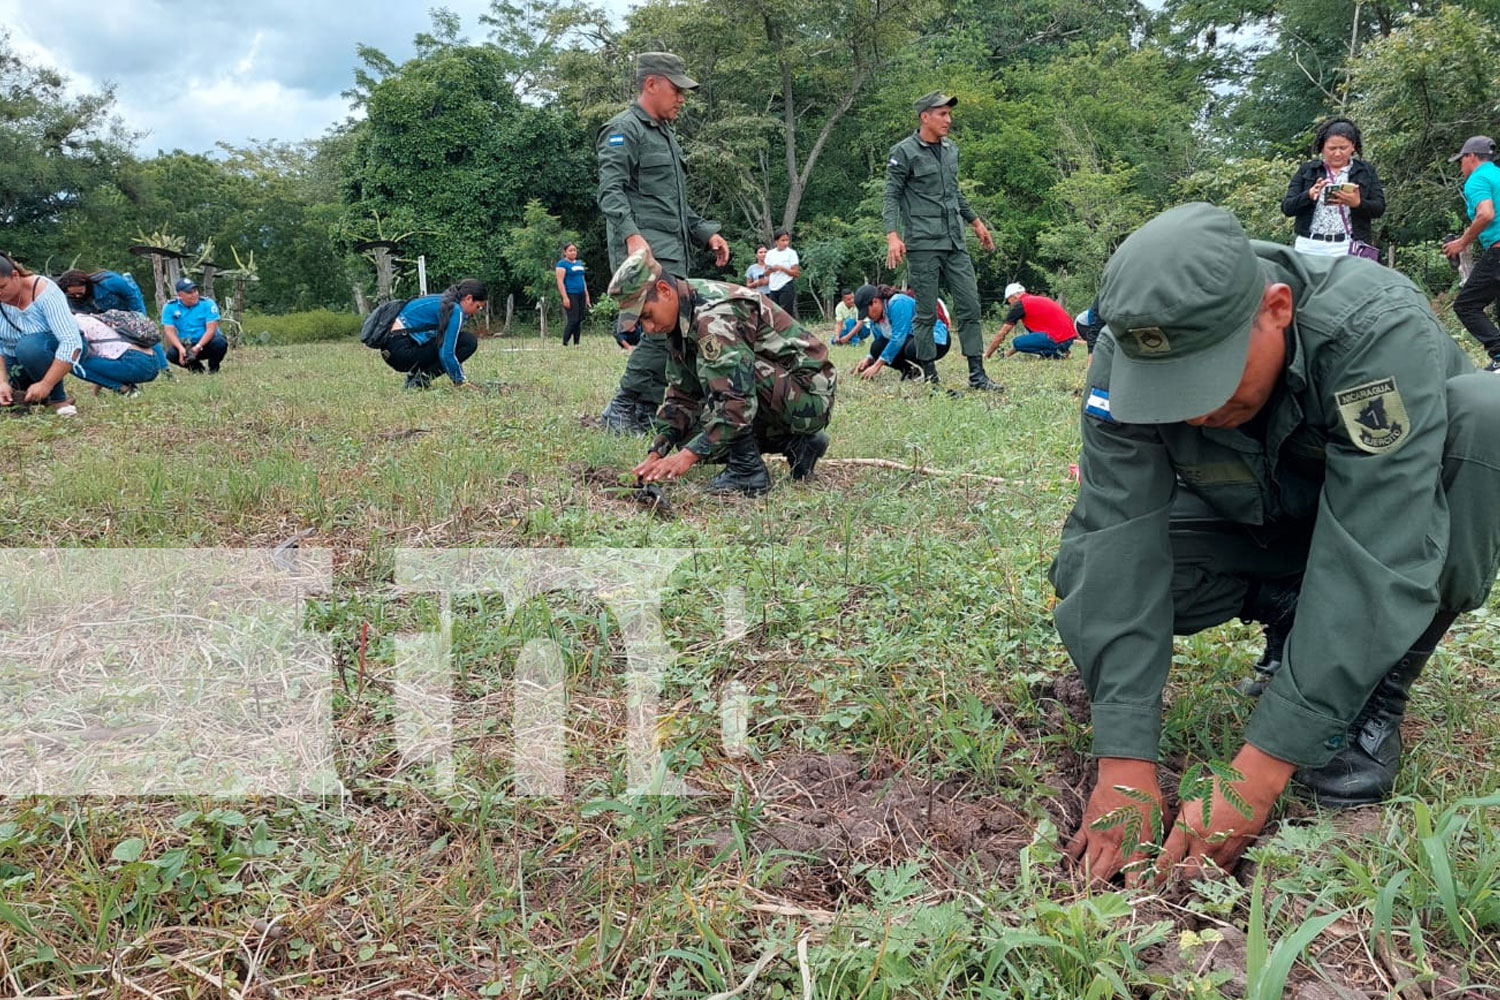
(1049, 330)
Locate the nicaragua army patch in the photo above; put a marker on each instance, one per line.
(711, 349)
(1374, 416)
(618, 139)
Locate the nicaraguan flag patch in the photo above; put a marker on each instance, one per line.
(618, 139)
(1098, 404)
(895, 162)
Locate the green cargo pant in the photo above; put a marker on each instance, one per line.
(646, 370)
(954, 270)
(1215, 561)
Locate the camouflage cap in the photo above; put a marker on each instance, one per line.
(936, 99)
(630, 284)
(1180, 296)
(664, 64)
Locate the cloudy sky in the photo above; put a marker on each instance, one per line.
(190, 74)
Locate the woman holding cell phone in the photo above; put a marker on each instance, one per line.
(1334, 199)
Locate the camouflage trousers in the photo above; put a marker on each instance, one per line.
(790, 404)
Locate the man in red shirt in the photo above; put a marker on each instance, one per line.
(1049, 330)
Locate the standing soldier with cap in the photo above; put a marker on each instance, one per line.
(922, 199)
(741, 372)
(643, 195)
(1284, 438)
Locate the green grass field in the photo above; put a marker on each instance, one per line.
(886, 827)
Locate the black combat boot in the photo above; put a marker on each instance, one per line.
(619, 417)
(1273, 603)
(979, 379)
(1364, 771)
(929, 372)
(744, 470)
(803, 451)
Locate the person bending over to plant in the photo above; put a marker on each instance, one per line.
(1282, 438)
(428, 340)
(39, 340)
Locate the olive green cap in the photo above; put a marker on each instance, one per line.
(664, 64)
(936, 99)
(1180, 295)
(630, 283)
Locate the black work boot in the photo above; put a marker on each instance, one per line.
(803, 451)
(929, 372)
(744, 470)
(1273, 603)
(619, 417)
(1364, 771)
(979, 379)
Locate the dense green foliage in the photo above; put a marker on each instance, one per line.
(1078, 119)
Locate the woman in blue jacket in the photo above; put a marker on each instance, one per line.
(104, 291)
(426, 340)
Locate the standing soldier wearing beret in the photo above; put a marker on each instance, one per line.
(1288, 439)
(922, 199)
(741, 372)
(643, 195)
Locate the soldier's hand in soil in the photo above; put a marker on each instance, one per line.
(7, 396)
(1102, 852)
(1228, 831)
(655, 468)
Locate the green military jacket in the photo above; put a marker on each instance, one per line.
(922, 198)
(1351, 444)
(642, 189)
(730, 345)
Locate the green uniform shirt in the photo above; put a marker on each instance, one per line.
(732, 347)
(643, 190)
(922, 198)
(1351, 443)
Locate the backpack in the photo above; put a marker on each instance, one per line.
(131, 327)
(375, 331)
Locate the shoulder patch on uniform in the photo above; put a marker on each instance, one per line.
(1374, 416)
(710, 348)
(895, 162)
(1097, 405)
(618, 139)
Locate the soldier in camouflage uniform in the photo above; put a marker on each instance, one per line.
(741, 371)
(643, 195)
(923, 199)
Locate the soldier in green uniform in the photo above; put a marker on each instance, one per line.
(643, 195)
(923, 200)
(743, 377)
(1259, 424)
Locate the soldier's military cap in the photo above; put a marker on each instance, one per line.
(936, 99)
(630, 283)
(664, 64)
(1180, 295)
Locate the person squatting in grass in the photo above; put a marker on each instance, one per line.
(1283, 438)
(39, 340)
(428, 339)
(1048, 329)
(113, 297)
(888, 314)
(190, 327)
(743, 377)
